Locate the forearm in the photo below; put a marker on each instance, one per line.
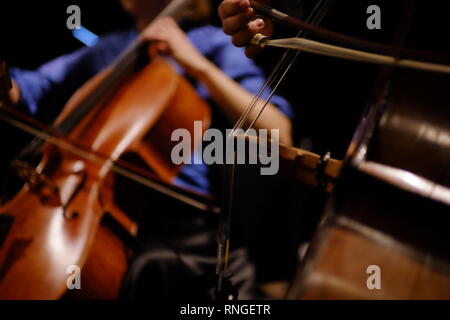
(233, 100)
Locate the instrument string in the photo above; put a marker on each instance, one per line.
(123, 66)
(281, 71)
(119, 167)
(284, 63)
(276, 77)
(271, 79)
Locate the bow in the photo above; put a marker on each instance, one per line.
(274, 80)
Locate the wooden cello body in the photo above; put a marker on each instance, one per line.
(58, 217)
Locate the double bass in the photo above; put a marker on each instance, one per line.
(65, 219)
(383, 232)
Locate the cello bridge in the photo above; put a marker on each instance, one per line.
(38, 183)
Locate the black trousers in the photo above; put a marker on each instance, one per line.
(176, 256)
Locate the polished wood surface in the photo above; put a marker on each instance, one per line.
(340, 271)
(53, 230)
(390, 205)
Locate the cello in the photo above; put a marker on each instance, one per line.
(65, 217)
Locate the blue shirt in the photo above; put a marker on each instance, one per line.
(46, 90)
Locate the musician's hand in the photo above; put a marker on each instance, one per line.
(239, 21)
(14, 93)
(172, 40)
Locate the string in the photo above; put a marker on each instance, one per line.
(55, 135)
(283, 67)
(272, 77)
(119, 167)
(277, 76)
(288, 58)
(121, 67)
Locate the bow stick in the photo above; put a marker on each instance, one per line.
(343, 39)
(329, 50)
(49, 134)
(275, 79)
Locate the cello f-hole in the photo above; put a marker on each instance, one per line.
(79, 187)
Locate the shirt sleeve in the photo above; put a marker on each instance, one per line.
(50, 86)
(45, 91)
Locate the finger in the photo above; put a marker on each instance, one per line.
(235, 23)
(233, 7)
(252, 51)
(153, 51)
(242, 38)
(155, 35)
(168, 21)
(163, 47)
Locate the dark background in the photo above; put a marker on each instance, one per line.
(35, 32)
